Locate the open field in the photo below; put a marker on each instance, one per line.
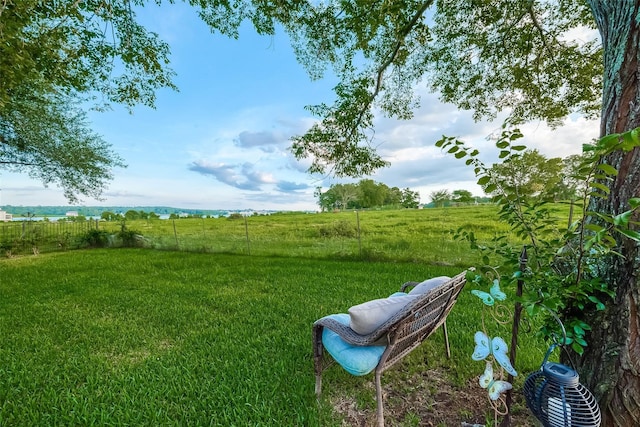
(148, 337)
(386, 235)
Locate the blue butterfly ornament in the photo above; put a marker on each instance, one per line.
(494, 387)
(494, 294)
(496, 347)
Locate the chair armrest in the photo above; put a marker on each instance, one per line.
(408, 285)
(348, 334)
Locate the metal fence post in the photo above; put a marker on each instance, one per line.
(506, 421)
(359, 235)
(246, 232)
(175, 234)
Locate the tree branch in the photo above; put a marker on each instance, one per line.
(386, 63)
(17, 163)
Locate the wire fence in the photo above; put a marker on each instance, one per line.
(407, 235)
(22, 237)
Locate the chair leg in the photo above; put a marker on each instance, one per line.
(318, 384)
(380, 411)
(446, 339)
(318, 353)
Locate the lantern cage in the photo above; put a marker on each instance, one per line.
(556, 397)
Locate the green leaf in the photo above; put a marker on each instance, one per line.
(609, 141)
(608, 169)
(630, 234)
(594, 227)
(490, 188)
(503, 154)
(622, 219)
(600, 186)
(519, 147)
(460, 154)
(593, 299)
(634, 202)
(581, 341)
(628, 143)
(484, 180)
(577, 348)
(598, 195)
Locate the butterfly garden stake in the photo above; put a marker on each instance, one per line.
(493, 350)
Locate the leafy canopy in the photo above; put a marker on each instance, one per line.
(56, 58)
(482, 55)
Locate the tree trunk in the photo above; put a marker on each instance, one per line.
(610, 365)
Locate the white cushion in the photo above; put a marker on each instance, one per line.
(428, 284)
(367, 317)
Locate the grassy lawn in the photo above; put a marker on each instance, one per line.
(144, 337)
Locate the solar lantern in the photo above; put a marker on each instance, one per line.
(556, 397)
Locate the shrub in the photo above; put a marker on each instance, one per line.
(95, 239)
(338, 229)
(130, 238)
(235, 215)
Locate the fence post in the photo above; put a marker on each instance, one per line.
(175, 234)
(246, 232)
(506, 421)
(359, 235)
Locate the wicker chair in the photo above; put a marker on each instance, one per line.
(402, 333)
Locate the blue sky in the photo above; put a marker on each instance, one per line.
(222, 141)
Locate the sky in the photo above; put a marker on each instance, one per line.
(222, 141)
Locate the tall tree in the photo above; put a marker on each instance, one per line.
(462, 196)
(410, 199)
(394, 197)
(345, 195)
(531, 173)
(489, 56)
(372, 194)
(440, 197)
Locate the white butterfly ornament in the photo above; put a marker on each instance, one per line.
(496, 347)
(494, 294)
(494, 387)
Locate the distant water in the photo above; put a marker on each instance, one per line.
(56, 218)
(49, 218)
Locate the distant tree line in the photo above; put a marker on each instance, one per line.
(97, 211)
(532, 173)
(365, 194)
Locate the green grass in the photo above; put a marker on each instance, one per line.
(402, 235)
(142, 337)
